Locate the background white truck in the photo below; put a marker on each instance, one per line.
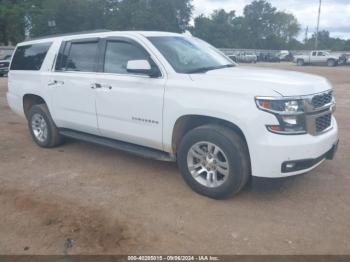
(317, 58)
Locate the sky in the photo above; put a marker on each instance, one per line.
(335, 14)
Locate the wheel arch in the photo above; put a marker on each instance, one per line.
(332, 59)
(301, 59)
(29, 100)
(186, 123)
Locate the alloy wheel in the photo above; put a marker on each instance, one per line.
(208, 164)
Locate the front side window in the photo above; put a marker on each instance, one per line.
(82, 56)
(190, 55)
(30, 57)
(117, 55)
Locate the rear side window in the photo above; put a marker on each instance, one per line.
(30, 57)
(82, 56)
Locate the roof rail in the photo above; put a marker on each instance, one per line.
(69, 34)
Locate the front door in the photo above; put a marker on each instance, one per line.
(129, 106)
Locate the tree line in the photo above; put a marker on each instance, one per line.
(261, 26)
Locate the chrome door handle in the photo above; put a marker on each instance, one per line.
(55, 82)
(96, 86)
(100, 86)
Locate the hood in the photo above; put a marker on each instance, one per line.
(262, 82)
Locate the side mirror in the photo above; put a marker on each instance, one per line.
(141, 67)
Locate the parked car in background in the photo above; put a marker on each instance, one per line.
(233, 58)
(317, 58)
(344, 59)
(285, 55)
(247, 57)
(272, 57)
(4, 65)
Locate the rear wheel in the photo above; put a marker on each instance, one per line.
(300, 62)
(214, 161)
(331, 63)
(42, 128)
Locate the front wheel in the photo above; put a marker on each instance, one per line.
(214, 161)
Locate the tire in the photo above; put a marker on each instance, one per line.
(42, 128)
(233, 154)
(300, 62)
(331, 62)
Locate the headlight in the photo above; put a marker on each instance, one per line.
(292, 106)
(280, 106)
(289, 113)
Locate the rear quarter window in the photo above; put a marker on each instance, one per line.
(30, 57)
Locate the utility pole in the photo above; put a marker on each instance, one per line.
(318, 25)
(306, 34)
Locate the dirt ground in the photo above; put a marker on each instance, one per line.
(109, 202)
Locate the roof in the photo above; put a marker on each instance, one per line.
(98, 33)
(69, 34)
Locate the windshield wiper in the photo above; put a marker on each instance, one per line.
(208, 68)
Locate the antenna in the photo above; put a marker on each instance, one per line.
(318, 25)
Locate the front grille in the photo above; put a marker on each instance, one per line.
(322, 100)
(323, 122)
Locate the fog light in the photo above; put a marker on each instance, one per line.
(290, 165)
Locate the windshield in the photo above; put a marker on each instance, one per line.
(190, 55)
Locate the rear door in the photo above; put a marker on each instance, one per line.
(73, 95)
(129, 106)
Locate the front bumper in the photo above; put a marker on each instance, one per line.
(299, 165)
(271, 151)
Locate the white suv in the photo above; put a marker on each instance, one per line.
(175, 98)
